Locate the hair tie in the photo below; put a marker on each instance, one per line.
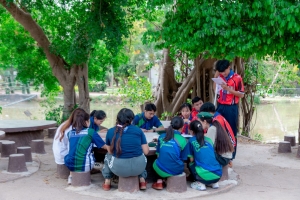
(198, 125)
(120, 125)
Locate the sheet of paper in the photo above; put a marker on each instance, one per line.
(219, 81)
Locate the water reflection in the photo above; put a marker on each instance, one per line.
(276, 119)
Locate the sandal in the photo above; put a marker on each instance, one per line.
(143, 185)
(106, 187)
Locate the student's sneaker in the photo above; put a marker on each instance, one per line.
(198, 186)
(69, 180)
(98, 165)
(215, 185)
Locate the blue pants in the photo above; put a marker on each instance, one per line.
(231, 114)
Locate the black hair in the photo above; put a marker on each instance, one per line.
(185, 105)
(124, 119)
(196, 99)
(79, 121)
(208, 107)
(99, 114)
(222, 143)
(176, 123)
(198, 131)
(222, 65)
(150, 107)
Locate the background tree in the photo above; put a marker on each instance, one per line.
(204, 31)
(66, 32)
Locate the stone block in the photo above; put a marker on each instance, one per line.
(284, 147)
(291, 139)
(62, 171)
(81, 179)
(8, 148)
(129, 184)
(37, 146)
(16, 163)
(27, 153)
(177, 183)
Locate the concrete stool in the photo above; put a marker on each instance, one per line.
(62, 171)
(16, 163)
(8, 148)
(2, 135)
(224, 173)
(177, 183)
(284, 147)
(81, 178)
(298, 152)
(51, 132)
(1, 143)
(129, 184)
(27, 153)
(37, 146)
(291, 139)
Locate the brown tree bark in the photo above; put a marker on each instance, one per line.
(66, 75)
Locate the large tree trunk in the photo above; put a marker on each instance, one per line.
(66, 74)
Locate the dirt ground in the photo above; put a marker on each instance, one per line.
(262, 172)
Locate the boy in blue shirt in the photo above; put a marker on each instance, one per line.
(147, 121)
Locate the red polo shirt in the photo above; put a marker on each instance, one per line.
(235, 82)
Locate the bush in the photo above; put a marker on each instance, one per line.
(97, 87)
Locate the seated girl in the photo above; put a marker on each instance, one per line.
(185, 110)
(61, 142)
(222, 144)
(97, 117)
(81, 140)
(126, 146)
(203, 163)
(171, 153)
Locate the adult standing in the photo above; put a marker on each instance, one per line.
(230, 94)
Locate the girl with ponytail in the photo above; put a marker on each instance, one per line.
(171, 153)
(203, 165)
(127, 147)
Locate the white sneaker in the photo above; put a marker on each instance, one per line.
(215, 185)
(69, 180)
(198, 186)
(98, 165)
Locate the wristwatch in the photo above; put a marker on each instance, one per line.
(154, 129)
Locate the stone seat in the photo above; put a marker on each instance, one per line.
(291, 139)
(27, 153)
(225, 175)
(51, 132)
(62, 171)
(284, 147)
(37, 146)
(177, 183)
(81, 179)
(129, 184)
(8, 148)
(16, 163)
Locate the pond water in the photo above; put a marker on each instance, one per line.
(272, 120)
(275, 119)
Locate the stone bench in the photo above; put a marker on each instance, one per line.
(7, 148)
(177, 183)
(225, 175)
(284, 147)
(27, 153)
(2, 135)
(37, 146)
(62, 171)
(1, 143)
(291, 139)
(51, 132)
(16, 163)
(129, 184)
(81, 179)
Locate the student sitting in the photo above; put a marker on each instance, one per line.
(126, 146)
(171, 153)
(61, 142)
(222, 144)
(197, 103)
(147, 120)
(97, 117)
(81, 140)
(185, 110)
(203, 164)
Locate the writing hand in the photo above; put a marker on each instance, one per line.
(225, 87)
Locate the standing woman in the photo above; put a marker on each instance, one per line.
(171, 153)
(81, 140)
(204, 166)
(97, 117)
(127, 147)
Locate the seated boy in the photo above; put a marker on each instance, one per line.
(197, 103)
(147, 120)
